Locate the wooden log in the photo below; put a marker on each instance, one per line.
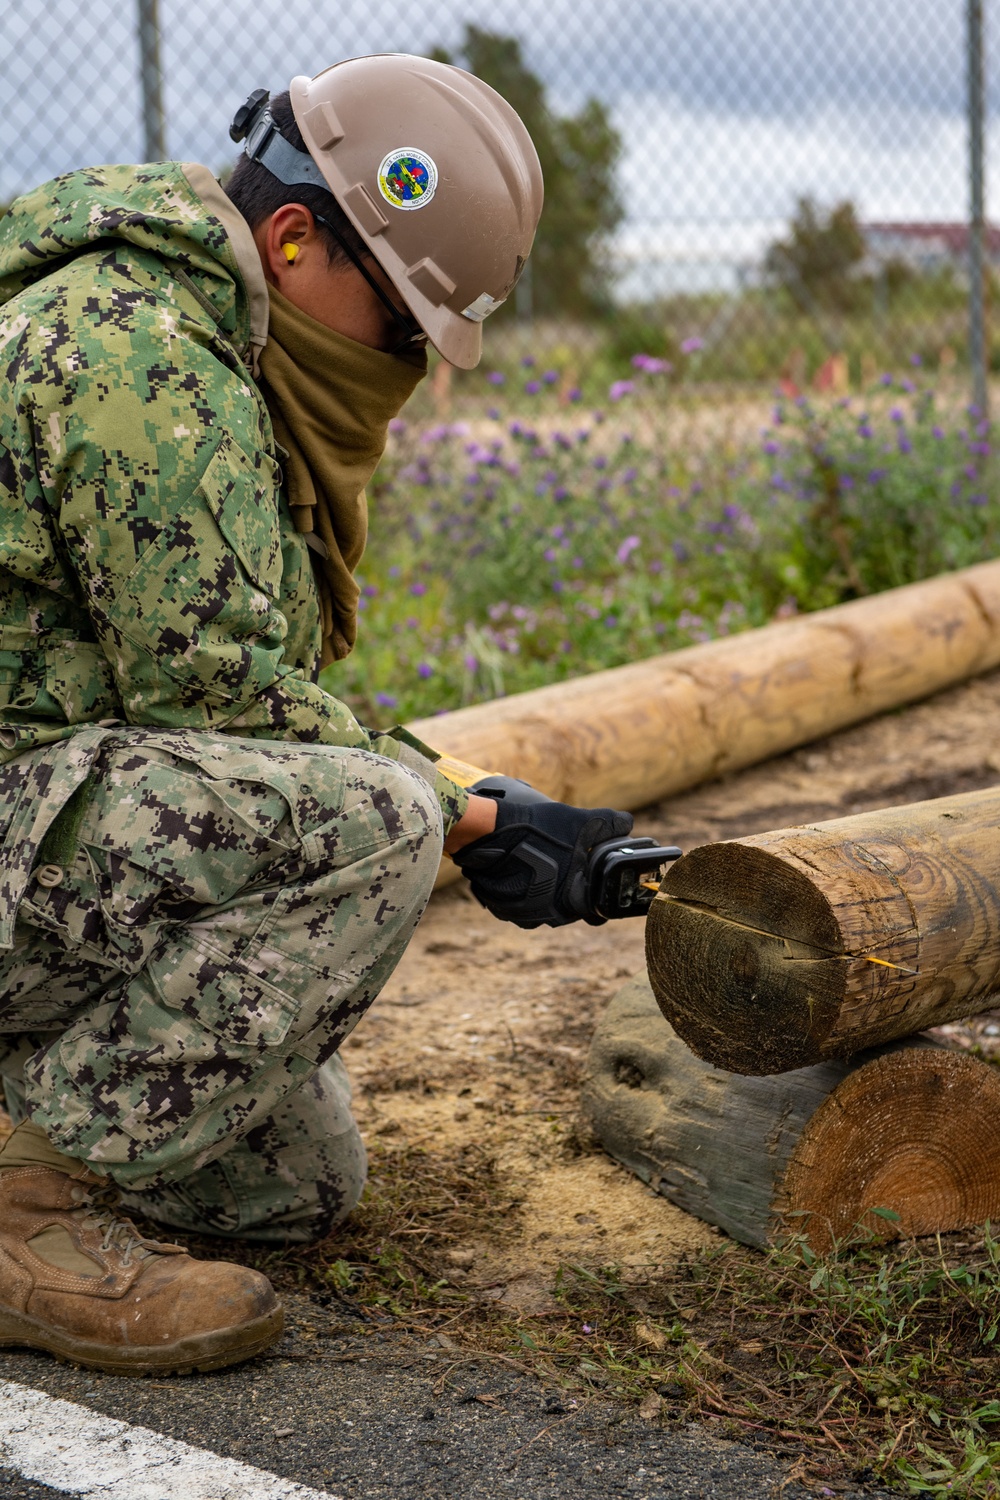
(788, 948)
(913, 1129)
(632, 735)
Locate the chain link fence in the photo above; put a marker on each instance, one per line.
(752, 190)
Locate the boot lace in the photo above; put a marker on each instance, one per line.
(100, 1205)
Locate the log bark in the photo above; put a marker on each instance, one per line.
(635, 734)
(913, 1129)
(792, 947)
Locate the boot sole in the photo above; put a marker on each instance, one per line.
(208, 1351)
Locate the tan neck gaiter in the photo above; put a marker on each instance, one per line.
(331, 401)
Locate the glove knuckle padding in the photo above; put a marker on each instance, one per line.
(533, 868)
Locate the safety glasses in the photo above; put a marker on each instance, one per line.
(413, 336)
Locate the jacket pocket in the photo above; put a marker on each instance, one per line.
(242, 494)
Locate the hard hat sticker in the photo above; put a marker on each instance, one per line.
(407, 178)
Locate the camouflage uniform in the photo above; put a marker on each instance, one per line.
(240, 863)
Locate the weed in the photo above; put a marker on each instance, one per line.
(512, 551)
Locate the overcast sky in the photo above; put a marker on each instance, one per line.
(729, 108)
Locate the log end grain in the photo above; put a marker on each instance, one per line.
(915, 1131)
(742, 955)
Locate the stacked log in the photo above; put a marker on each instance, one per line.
(789, 948)
(898, 1141)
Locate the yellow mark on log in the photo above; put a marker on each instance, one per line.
(883, 961)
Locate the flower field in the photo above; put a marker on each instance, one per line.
(540, 537)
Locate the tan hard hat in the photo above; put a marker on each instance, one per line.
(439, 177)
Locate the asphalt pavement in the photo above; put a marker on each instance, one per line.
(369, 1412)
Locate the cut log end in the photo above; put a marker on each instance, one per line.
(915, 1132)
(741, 951)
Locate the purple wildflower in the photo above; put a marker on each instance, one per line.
(418, 589)
(692, 345)
(574, 394)
(496, 377)
(550, 377)
(370, 590)
(397, 426)
(528, 362)
(424, 670)
(560, 493)
(897, 414)
(627, 547)
(385, 700)
(471, 662)
(620, 388)
(532, 387)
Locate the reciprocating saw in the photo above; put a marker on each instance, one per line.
(622, 874)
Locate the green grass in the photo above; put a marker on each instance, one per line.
(538, 538)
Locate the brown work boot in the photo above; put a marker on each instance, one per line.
(81, 1282)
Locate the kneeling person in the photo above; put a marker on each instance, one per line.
(209, 867)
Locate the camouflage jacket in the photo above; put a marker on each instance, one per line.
(150, 572)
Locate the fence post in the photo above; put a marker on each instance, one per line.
(151, 76)
(977, 287)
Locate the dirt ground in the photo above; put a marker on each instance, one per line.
(480, 1039)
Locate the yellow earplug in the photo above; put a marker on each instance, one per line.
(291, 251)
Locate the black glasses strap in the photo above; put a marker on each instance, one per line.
(410, 326)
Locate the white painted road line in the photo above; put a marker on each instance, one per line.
(72, 1449)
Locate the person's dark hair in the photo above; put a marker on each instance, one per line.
(258, 194)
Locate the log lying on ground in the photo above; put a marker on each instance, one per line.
(788, 948)
(913, 1129)
(632, 735)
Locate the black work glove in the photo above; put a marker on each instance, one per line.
(532, 869)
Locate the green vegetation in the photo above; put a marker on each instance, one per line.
(819, 260)
(511, 551)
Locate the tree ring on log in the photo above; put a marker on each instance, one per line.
(915, 1131)
(745, 957)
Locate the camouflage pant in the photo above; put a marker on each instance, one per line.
(172, 1007)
